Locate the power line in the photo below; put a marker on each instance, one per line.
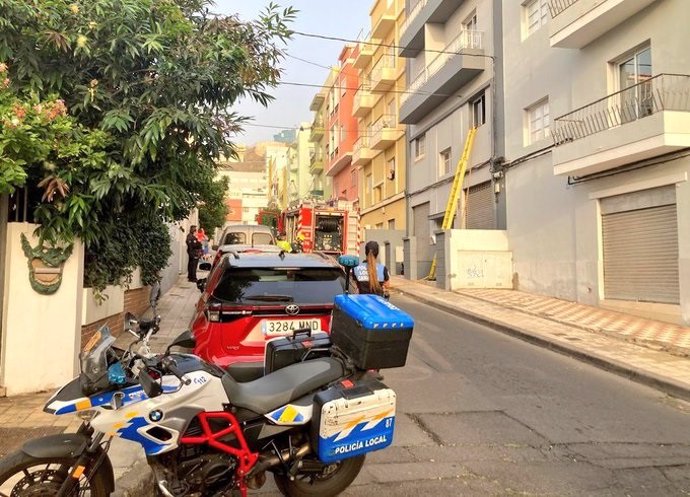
(369, 80)
(383, 45)
(360, 132)
(312, 85)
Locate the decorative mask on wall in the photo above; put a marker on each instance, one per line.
(45, 265)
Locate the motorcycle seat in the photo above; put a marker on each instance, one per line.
(282, 386)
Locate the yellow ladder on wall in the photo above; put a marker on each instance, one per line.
(458, 180)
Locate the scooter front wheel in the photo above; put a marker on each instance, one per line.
(26, 476)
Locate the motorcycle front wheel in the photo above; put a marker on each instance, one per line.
(24, 476)
(333, 480)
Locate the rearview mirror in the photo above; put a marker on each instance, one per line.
(184, 339)
(205, 266)
(348, 261)
(214, 247)
(130, 321)
(201, 284)
(150, 386)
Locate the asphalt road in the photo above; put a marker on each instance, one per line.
(481, 413)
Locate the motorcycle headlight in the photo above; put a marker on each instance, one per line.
(87, 415)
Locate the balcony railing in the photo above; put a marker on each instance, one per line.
(316, 156)
(362, 142)
(414, 12)
(558, 6)
(385, 62)
(468, 38)
(663, 92)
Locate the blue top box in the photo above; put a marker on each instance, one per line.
(373, 312)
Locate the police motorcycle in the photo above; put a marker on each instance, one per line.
(310, 422)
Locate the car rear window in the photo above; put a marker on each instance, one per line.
(303, 286)
(235, 238)
(262, 239)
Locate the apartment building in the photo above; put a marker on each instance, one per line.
(451, 46)
(597, 120)
(379, 152)
(341, 128)
(321, 185)
(299, 164)
(247, 183)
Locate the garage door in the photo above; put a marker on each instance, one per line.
(640, 238)
(480, 207)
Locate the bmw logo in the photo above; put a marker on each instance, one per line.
(156, 415)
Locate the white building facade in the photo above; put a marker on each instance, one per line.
(597, 120)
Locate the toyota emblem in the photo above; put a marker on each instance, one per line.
(292, 309)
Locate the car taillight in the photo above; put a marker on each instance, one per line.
(217, 312)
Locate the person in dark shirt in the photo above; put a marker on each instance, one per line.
(194, 249)
(370, 275)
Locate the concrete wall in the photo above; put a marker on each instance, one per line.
(475, 259)
(39, 329)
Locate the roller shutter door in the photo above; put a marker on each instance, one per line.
(480, 207)
(640, 238)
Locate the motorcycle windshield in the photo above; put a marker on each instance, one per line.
(94, 357)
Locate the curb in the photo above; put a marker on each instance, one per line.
(658, 382)
(136, 482)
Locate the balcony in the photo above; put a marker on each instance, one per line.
(316, 161)
(317, 102)
(317, 130)
(385, 132)
(385, 23)
(447, 73)
(422, 12)
(364, 102)
(648, 119)
(338, 161)
(362, 154)
(575, 23)
(384, 74)
(364, 54)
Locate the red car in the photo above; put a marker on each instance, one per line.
(249, 298)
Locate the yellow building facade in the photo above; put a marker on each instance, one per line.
(379, 153)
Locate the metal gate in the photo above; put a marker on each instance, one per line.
(480, 207)
(425, 251)
(640, 238)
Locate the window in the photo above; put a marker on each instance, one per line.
(444, 162)
(353, 178)
(369, 184)
(391, 169)
(633, 73)
(536, 13)
(538, 122)
(419, 147)
(479, 111)
(391, 224)
(471, 22)
(378, 194)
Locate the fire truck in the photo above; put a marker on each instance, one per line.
(331, 227)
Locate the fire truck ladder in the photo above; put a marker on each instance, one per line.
(458, 180)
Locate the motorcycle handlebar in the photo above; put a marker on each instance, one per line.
(169, 365)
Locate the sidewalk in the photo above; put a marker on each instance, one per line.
(650, 352)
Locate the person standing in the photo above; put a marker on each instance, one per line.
(370, 275)
(194, 252)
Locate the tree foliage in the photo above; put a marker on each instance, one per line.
(213, 211)
(143, 89)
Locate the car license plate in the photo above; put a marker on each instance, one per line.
(281, 327)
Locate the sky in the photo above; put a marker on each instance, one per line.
(341, 18)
